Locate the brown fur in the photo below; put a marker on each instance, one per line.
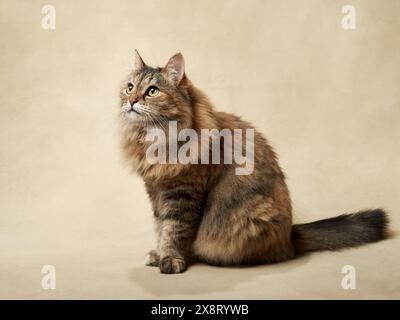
(205, 211)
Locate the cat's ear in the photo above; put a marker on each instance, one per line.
(175, 68)
(138, 61)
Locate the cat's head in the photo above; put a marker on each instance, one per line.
(151, 97)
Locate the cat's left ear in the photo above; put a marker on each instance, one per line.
(138, 61)
(175, 68)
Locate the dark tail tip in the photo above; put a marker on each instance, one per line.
(347, 230)
(376, 223)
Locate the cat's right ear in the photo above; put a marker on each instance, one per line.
(175, 68)
(138, 61)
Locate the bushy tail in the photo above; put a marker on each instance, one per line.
(347, 230)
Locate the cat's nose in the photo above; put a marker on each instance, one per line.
(133, 101)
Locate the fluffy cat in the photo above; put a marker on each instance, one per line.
(206, 211)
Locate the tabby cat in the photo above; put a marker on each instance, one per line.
(206, 212)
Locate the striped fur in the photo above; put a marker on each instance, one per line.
(206, 211)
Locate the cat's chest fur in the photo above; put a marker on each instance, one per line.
(175, 194)
(135, 145)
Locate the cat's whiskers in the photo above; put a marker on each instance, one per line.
(163, 125)
(153, 118)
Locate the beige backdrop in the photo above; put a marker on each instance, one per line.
(328, 100)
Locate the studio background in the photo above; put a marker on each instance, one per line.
(326, 98)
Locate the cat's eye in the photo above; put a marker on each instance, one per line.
(152, 91)
(129, 89)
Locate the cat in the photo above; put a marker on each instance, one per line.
(205, 211)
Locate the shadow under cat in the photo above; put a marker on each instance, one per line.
(223, 278)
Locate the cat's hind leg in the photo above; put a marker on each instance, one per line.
(256, 232)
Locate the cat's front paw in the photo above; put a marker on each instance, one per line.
(172, 265)
(152, 259)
